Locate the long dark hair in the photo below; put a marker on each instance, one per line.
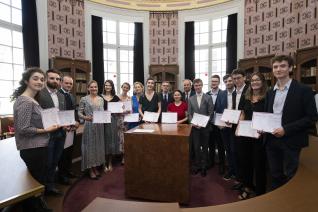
(249, 92)
(113, 92)
(25, 78)
(177, 90)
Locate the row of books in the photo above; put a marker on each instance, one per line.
(310, 72)
(81, 87)
(80, 76)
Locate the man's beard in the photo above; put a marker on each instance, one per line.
(52, 85)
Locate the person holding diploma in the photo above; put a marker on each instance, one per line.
(112, 139)
(254, 149)
(179, 106)
(200, 103)
(138, 92)
(93, 144)
(30, 136)
(296, 103)
(150, 101)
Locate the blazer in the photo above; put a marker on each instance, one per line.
(69, 102)
(299, 113)
(217, 99)
(206, 106)
(242, 99)
(192, 92)
(164, 104)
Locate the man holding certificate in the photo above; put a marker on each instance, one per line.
(201, 104)
(297, 105)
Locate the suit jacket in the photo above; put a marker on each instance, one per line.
(70, 102)
(164, 104)
(299, 113)
(217, 99)
(222, 103)
(192, 92)
(206, 106)
(242, 99)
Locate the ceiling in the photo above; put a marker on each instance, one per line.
(160, 5)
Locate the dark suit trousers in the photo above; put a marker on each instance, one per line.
(228, 139)
(216, 141)
(36, 161)
(283, 161)
(65, 162)
(200, 140)
(259, 159)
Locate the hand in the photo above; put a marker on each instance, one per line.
(260, 132)
(220, 127)
(76, 125)
(196, 126)
(67, 128)
(279, 132)
(227, 123)
(88, 118)
(178, 122)
(52, 128)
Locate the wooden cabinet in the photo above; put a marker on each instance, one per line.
(162, 73)
(79, 70)
(306, 68)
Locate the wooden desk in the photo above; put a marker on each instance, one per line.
(111, 205)
(16, 183)
(157, 163)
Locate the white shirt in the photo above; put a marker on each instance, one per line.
(229, 99)
(199, 98)
(55, 100)
(280, 97)
(238, 96)
(214, 95)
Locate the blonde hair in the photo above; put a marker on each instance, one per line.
(141, 85)
(89, 84)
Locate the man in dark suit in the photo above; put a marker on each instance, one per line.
(296, 103)
(165, 97)
(49, 97)
(215, 136)
(238, 76)
(202, 104)
(187, 90)
(65, 163)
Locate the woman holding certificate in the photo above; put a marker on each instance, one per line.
(254, 149)
(111, 129)
(150, 101)
(93, 151)
(179, 107)
(138, 92)
(30, 136)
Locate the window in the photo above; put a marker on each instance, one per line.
(210, 50)
(118, 39)
(11, 51)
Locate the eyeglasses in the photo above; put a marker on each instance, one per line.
(53, 78)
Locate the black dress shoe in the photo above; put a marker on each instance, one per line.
(64, 181)
(203, 172)
(53, 192)
(237, 186)
(72, 175)
(195, 171)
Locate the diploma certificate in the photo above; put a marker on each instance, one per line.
(231, 116)
(266, 122)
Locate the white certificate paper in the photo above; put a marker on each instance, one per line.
(266, 122)
(127, 106)
(69, 139)
(200, 120)
(144, 130)
(100, 117)
(169, 118)
(49, 117)
(115, 107)
(244, 128)
(66, 117)
(131, 117)
(151, 116)
(231, 116)
(219, 122)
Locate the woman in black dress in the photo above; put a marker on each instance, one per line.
(255, 160)
(150, 101)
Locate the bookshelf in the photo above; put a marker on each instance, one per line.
(79, 70)
(162, 73)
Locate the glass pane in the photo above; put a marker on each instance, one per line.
(131, 40)
(204, 77)
(224, 23)
(196, 27)
(131, 28)
(15, 84)
(131, 56)
(16, 3)
(111, 38)
(123, 39)
(204, 26)
(104, 37)
(113, 77)
(105, 54)
(18, 70)
(223, 52)
(223, 66)
(224, 32)
(6, 72)
(5, 36)
(5, 13)
(123, 28)
(216, 25)
(16, 17)
(123, 78)
(5, 1)
(124, 55)
(105, 67)
(110, 26)
(111, 54)
(104, 25)
(197, 67)
(216, 66)
(216, 53)
(196, 55)
(204, 67)
(5, 54)
(204, 38)
(6, 88)
(112, 67)
(6, 106)
(17, 56)
(124, 67)
(205, 88)
(17, 39)
(204, 54)
(131, 68)
(216, 37)
(197, 39)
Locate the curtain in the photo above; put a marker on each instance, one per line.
(231, 43)
(30, 34)
(189, 69)
(98, 52)
(138, 54)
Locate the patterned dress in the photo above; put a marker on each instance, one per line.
(122, 127)
(93, 145)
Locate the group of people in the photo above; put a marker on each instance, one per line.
(240, 158)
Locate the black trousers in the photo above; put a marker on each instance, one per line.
(200, 140)
(36, 161)
(65, 162)
(215, 141)
(259, 157)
